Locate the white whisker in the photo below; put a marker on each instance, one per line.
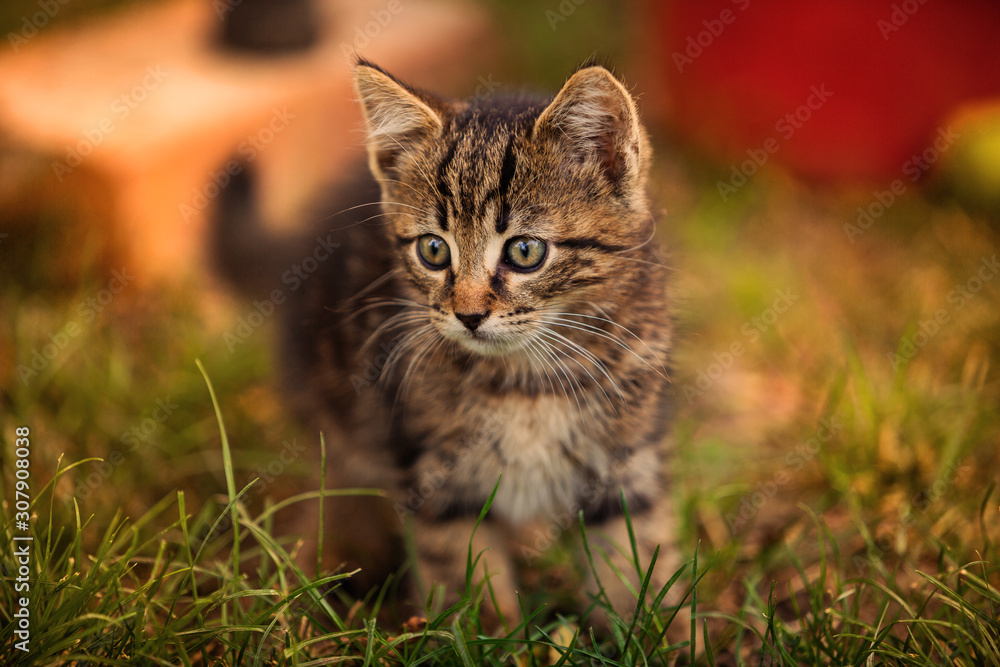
(427, 340)
(375, 284)
(398, 320)
(405, 343)
(561, 320)
(563, 341)
(537, 354)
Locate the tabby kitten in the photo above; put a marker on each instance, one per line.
(501, 324)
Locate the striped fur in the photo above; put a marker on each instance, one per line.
(435, 383)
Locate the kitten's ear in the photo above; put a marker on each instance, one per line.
(595, 119)
(396, 117)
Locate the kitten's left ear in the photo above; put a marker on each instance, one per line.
(595, 118)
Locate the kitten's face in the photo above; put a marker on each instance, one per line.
(510, 214)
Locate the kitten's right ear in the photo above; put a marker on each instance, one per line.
(396, 117)
(595, 120)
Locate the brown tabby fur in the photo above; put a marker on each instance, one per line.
(560, 392)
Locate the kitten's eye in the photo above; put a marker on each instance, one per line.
(525, 254)
(433, 252)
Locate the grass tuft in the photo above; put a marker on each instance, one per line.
(836, 484)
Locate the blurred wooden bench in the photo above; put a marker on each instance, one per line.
(138, 114)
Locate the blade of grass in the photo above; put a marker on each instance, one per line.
(692, 648)
(227, 465)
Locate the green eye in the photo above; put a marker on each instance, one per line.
(433, 252)
(525, 254)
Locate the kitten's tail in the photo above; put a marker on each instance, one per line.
(245, 253)
(256, 260)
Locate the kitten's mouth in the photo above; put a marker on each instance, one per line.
(485, 344)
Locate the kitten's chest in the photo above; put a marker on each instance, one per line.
(539, 448)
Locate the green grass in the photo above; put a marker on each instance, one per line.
(838, 494)
(151, 591)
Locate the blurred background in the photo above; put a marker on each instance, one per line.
(827, 180)
(120, 114)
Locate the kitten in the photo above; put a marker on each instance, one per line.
(500, 323)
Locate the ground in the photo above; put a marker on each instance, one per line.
(836, 432)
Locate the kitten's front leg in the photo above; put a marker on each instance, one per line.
(442, 546)
(613, 558)
(639, 479)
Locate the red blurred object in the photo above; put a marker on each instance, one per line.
(734, 70)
